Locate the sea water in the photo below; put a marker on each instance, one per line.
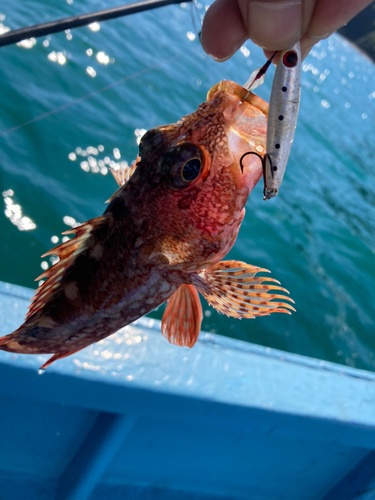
(74, 103)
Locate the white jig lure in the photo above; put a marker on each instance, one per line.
(282, 119)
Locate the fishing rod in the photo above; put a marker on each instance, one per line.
(68, 23)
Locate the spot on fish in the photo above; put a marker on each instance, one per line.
(15, 345)
(138, 242)
(165, 287)
(97, 252)
(46, 322)
(71, 290)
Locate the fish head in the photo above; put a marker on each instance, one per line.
(191, 181)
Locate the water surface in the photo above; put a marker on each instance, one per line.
(73, 102)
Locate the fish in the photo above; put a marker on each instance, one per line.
(162, 238)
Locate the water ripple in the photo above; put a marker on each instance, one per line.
(90, 95)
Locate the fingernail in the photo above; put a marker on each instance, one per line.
(216, 59)
(234, 47)
(275, 25)
(317, 38)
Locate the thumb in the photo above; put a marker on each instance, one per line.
(276, 24)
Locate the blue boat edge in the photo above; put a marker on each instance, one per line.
(135, 417)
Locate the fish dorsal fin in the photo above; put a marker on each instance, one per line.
(182, 318)
(122, 174)
(232, 288)
(66, 252)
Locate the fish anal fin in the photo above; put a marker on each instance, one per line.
(232, 289)
(55, 357)
(182, 317)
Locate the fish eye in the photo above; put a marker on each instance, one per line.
(182, 165)
(191, 169)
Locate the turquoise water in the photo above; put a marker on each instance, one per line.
(73, 102)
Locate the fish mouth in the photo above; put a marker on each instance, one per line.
(242, 94)
(245, 114)
(246, 117)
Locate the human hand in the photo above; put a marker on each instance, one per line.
(273, 24)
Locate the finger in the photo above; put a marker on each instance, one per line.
(223, 31)
(329, 16)
(276, 24)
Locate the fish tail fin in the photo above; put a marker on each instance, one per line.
(29, 338)
(57, 356)
(3, 342)
(182, 318)
(10, 343)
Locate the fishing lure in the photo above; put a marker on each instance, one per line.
(282, 119)
(282, 116)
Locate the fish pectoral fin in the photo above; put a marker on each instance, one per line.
(182, 318)
(55, 357)
(232, 288)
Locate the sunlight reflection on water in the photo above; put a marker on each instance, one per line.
(13, 211)
(106, 84)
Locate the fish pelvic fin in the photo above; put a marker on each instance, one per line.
(55, 357)
(182, 317)
(232, 288)
(66, 252)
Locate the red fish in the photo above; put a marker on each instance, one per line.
(162, 237)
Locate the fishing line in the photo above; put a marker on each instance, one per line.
(195, 17)
(252, 83)
(38, 30)
(87, 96)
